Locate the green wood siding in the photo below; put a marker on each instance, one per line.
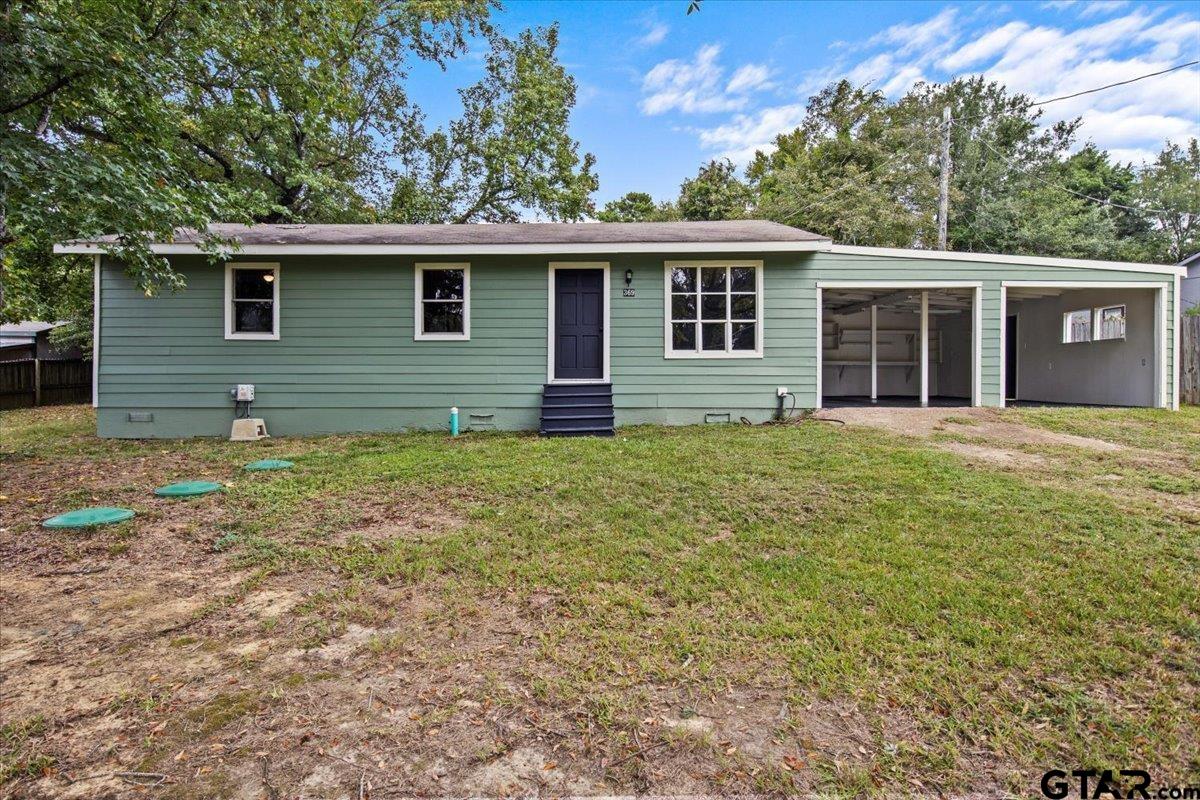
(346, 359)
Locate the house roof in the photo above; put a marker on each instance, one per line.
(513, 237)
(576, 238)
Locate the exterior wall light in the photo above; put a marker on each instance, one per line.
(628, 277)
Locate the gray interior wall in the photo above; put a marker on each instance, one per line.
(855, 381)
(1111, 372)
(954, 374)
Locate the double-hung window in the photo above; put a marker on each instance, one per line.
(714, 309)
(443, 301)
(251, 301)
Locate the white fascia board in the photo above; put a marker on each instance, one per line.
(1086, 284)
(995, 258)
(889, 284)
(475, 249)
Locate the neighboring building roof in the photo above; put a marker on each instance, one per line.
(28, 329)
(1191, 264)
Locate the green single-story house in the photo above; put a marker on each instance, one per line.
(577, 328)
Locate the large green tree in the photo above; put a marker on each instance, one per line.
(1169, 190)
(510, 151)
(136, 119)
(637, 207)
(855, 170)
(715, 193)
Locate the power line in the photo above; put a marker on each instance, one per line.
(1118, 83)
(1087, 91)
(1060, 187)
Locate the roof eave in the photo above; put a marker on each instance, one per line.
(998, 258)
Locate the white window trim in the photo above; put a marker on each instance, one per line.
(759, 281)
(1096, 323)
(1066, 326)
(553, 267)
(230, 333)
(419, 335)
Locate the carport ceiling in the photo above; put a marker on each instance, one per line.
(941, 301)
(1032, 292)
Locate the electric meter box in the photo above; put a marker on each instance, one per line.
(244, 393)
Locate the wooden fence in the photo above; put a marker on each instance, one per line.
(1189, 360)
(44, 381)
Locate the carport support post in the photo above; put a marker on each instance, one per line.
(874, 355)
(924, 349)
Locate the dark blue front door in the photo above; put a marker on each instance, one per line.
(579, 324)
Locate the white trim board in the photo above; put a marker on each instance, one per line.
(976, 324)
(820, 347)
(997, 258)
(419, 335)
(230, 333)
(565, 249)
(977, 347)
(96, 333)
(553, 267)
(1176, 350)
(1004, 349)
(1086, 284)
(871, 284)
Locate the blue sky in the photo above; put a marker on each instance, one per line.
(661, 92)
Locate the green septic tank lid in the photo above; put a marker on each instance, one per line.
(187, 489)
(89, 517)
(268, 464)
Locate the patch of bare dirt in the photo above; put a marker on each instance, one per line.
(984, 422)
(993, 455)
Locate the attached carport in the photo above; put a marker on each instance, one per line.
(1084, 343)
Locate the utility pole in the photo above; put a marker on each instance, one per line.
(944, 187)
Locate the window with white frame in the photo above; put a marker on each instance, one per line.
(251, 301)
(443, 307)
(1109, 323)
(1077, 326)
(714, 310)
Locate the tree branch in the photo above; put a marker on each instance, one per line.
(221, 161)
(42, 95)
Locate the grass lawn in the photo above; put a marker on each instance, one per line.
(710, 609)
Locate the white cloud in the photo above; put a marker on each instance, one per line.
(935, 33)
(695, 86)
(655, 35)
(1087, 49)
(1097, 7)
(984, 47)
(749, 78)
(739, 138)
